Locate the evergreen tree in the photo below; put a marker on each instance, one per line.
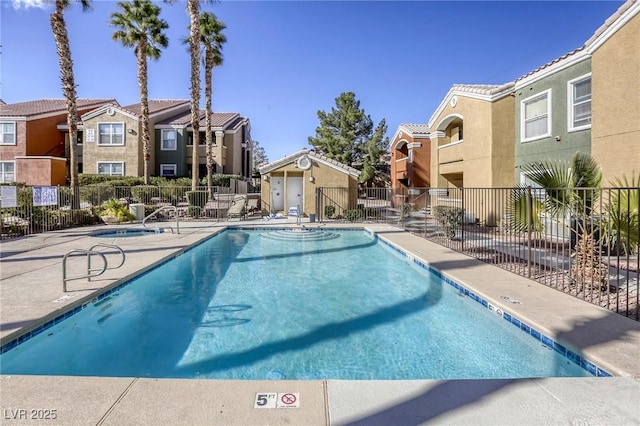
(347, 134)
(259, 156)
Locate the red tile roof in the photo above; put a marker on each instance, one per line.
(218, 119)
(155, 106)
(48, 106)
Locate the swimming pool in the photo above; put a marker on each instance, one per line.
(127, 232)
(246, 306)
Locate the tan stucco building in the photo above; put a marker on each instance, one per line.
(472, 137)
(112, 142)
(615, 68)
(293, 180)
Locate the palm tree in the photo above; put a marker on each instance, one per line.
(61, 36)
(139, 26)
(568, 189)
(212, 40)
(193, 8)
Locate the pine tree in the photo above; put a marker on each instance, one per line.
(346, 134)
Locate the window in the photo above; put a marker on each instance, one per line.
(580, 103)
(168, 169)
(7, 133)
(7, 172)
(111, 134)
(535, 112)
(113, 169)
(168, 140)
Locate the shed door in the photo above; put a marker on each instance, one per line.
(294, 192)
(277, 194)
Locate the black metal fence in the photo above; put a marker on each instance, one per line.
(581, 241)
(33, 210)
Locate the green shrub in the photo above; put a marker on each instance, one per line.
(143, 194)
(449, 218)
(197, 198)
(353, 214)
(329, 211)
(116, 209)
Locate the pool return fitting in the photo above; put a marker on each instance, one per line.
(91, 272)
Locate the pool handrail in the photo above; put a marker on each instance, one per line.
(158, 210)
(89, 275)
(89, 270)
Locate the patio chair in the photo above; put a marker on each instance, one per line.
(238, 207)
(252, 206)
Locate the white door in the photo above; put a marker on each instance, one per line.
(277, 194)
(294, 192)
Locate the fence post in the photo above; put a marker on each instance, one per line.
(318, 207)
(462, 232)
(529, 219)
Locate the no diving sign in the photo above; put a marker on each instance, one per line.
(277, 400)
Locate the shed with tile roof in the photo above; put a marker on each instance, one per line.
(293, 181)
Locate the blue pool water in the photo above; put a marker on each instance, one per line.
(127, 232)
(245, 305)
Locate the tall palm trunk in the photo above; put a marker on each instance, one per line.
(208, 72)
(61, 37)
(194, 48)
(141, 55)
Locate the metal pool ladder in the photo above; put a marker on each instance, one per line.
(174, 209)
(91, 272)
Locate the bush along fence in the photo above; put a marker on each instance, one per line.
(582, 241)
(28, 210)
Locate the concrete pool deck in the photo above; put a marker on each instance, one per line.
(31, 293)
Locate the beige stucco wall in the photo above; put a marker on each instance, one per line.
(615, 79)
(485, 157)
(503, 139)
(323, 175)
(130, 153)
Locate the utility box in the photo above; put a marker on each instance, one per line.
(137, 210)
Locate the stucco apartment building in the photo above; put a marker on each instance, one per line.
(32, 149)
(587, 100)
(34, 140)
(410, 157)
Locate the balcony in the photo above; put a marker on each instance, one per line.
(451, 153)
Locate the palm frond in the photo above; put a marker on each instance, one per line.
(521, 201)
(623, 212)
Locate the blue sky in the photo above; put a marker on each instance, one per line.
(284, 61)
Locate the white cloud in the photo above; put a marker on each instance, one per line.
(26, 4)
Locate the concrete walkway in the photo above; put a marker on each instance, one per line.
(31, 293)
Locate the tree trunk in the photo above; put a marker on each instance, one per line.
(208, 83)
(194, 48)
(141, 55)
(61, 37)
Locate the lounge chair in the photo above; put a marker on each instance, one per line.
(252, 206)
(237, 207)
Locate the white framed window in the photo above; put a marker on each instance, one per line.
(579, 91)
(168, 140)
(7, 171)
(111, 134)
(535, 117)
(114, 168)
(7, 133)
(168, 169)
